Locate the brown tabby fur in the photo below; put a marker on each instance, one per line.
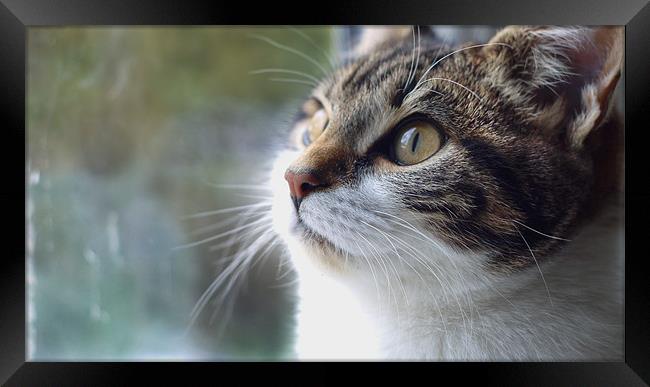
(516, 162)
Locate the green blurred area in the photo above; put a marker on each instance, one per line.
(129, 131)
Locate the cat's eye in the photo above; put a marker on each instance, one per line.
(315, 126)
(415, 142)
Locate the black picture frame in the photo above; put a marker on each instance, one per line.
(18, 15)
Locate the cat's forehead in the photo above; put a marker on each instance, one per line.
(370, 95)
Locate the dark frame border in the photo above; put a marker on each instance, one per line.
(17, 15)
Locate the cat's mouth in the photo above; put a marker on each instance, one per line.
(308, 234)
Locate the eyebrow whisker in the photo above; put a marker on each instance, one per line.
(291, 50)
(457, 84)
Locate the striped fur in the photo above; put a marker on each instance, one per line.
(524, 118)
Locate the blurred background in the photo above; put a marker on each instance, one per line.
(129, 131)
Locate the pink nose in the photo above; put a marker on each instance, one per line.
(301, 185)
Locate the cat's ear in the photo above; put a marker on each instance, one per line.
(373, 38)
(565, 75)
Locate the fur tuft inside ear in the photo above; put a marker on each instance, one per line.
(561, 78)
(597, 93)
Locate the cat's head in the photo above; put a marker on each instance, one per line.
(415, 155)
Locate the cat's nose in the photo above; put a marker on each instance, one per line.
(301, 185)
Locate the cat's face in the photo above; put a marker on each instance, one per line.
(449, 156)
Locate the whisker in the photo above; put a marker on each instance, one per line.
(291, 80)
(239, 186)
(258, 197)
(279, 274)
(250, 263)
(398, 256)
(381, 263)
(424, 264)
(227, 221)
(241, 237)
(291, 50)
(541, 233)
(218, 236)
(241, 260)
(370, 266)
(285, 71)
(325, 52)
(415, 57)
(538, 268)
(285, 284)
(420, 260)
(224, 210)
(200, 304)
(458, 272)
(455, 83)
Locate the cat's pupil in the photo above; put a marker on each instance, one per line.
(415, 142)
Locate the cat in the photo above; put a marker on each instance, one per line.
(459, 202)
